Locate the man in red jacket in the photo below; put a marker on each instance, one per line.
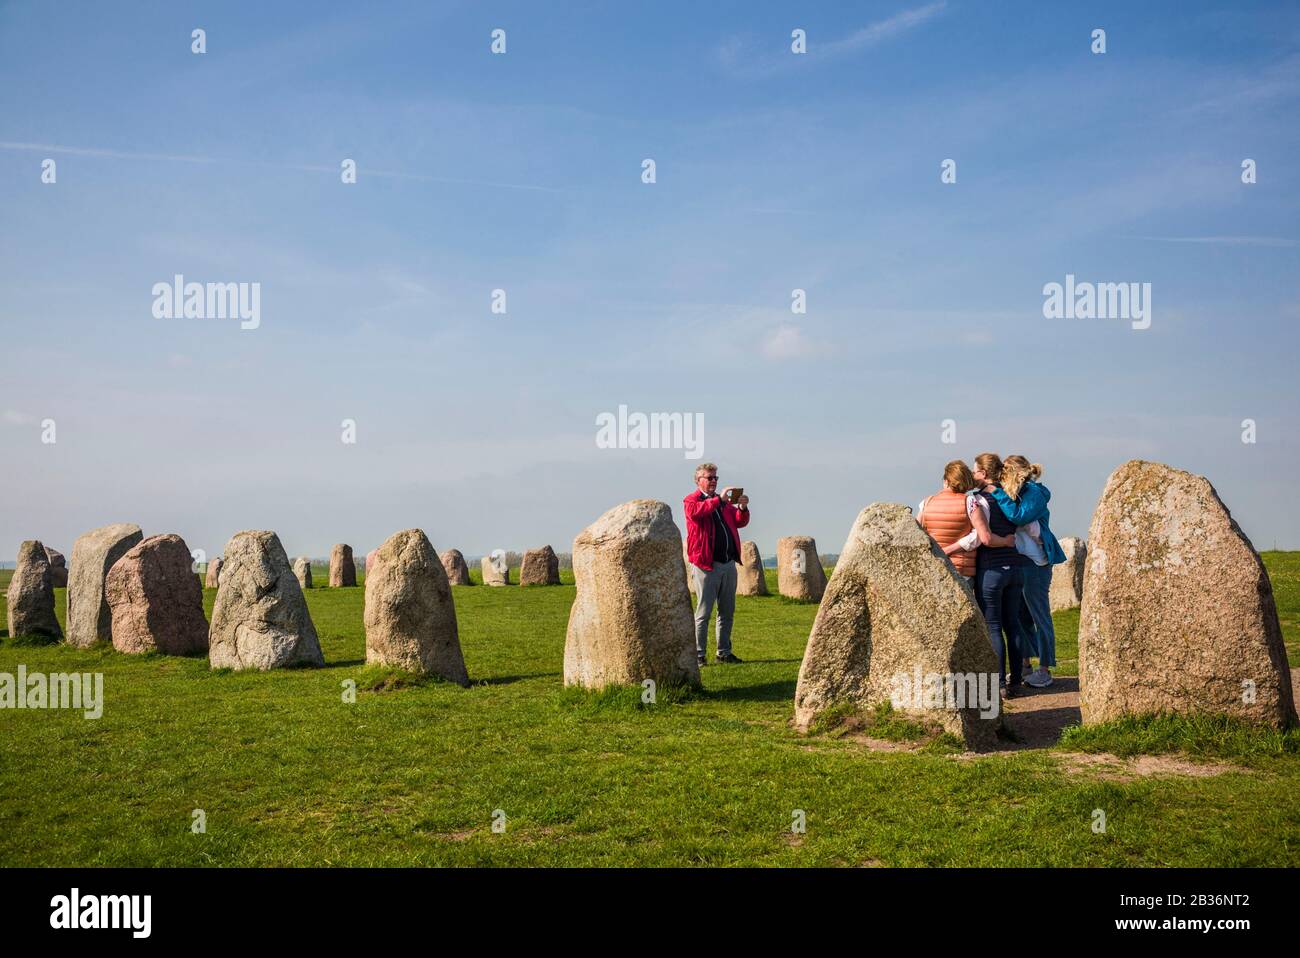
(713, 549)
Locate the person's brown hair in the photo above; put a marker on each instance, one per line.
(991, 463)
(957, 477)
(1016, 471)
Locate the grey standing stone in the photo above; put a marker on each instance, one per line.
(631, 619)
(89, 618)
(410, 616)
(30, 597)
(260, 619)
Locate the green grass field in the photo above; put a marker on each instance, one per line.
(287, 773)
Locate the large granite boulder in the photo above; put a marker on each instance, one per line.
(631, 619)
(89, 618)
(213, 578)
(495, 570)
(1067, 576)
(156, 600)
(749, 574)
(1178, 613)
(343, 569)
(540, 567)
(457, 569)
(799, 568)
(30, 597)
(410, 616)
(302, 572)
(896, 622)
(260, 619)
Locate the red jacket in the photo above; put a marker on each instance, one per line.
(699, 527)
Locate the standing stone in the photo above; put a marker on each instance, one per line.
(540, 567)
(491, 574)
(156, 600)
(343, 570)
(453, 563)
(690, 568)
(370, 560)
(260, 619)
(30, 599)
(749, 574)
(1178, 613)
(897, 611)
(213, 579)
(302, 572)
(1067, 576)
(799, 568)
(410, 616)
(631, 620)
(58, 568)
(93, 554)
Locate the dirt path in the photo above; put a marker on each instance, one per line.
(1039, 716)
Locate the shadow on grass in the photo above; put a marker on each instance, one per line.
(767, 692)
(511, 679)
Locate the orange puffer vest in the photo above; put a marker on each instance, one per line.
(944, 517)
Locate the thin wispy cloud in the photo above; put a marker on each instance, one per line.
(297, 167)
(740, 56)
(1277, 241)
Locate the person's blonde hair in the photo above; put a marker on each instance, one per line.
(957, 477)
(1016, 471)
(705, 467)
(991, 463)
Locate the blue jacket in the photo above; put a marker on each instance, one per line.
(1032, 505)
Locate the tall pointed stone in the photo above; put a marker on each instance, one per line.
(89, 618)
(631, 619)
(410, 616)
(1178, 613)
(29, 601)
(894, 615)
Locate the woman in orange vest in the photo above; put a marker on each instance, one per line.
(944, 516)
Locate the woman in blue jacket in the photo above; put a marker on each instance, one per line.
(1023, 500)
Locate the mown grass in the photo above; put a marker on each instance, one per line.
(411, 773)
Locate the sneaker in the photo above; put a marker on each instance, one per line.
(1041, 679)
(728, 658)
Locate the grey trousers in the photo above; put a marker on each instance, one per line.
(717, 585)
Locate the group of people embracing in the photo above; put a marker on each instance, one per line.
(992, 523)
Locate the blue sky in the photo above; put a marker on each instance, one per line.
(522, 172)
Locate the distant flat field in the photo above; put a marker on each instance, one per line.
(286, 772)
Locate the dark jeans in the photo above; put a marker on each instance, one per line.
(999, 592)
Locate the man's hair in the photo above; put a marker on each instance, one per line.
(705, 467)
